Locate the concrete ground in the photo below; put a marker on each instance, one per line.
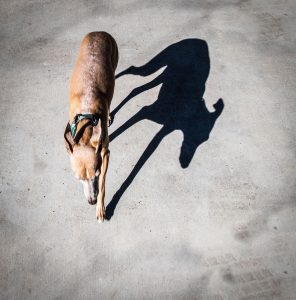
(219, 224)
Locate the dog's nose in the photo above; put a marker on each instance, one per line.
(92, 201)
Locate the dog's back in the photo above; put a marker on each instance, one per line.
(92, 83)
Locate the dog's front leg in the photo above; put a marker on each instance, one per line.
(100, 209)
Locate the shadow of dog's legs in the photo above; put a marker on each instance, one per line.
(139, 116)
(136, 91)
(144, 157)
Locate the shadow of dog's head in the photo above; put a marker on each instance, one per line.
(85, 157)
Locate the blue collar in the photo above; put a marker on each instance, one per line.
(93, 118)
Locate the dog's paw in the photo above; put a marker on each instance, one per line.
(101, 214)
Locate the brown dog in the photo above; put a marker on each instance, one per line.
(86, 134)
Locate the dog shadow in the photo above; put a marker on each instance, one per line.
(179, 106)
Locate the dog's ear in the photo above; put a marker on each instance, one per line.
(68, 139)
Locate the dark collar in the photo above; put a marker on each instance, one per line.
(93, 118)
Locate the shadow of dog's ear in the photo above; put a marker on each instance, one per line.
(219, 106)
(68, 139)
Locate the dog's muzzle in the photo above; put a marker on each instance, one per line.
(91, 191)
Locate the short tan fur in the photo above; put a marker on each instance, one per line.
(91, 92)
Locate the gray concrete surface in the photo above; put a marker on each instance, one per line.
(221, 228)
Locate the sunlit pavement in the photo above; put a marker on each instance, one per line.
(201, 204)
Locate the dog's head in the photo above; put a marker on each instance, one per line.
(85, 156)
